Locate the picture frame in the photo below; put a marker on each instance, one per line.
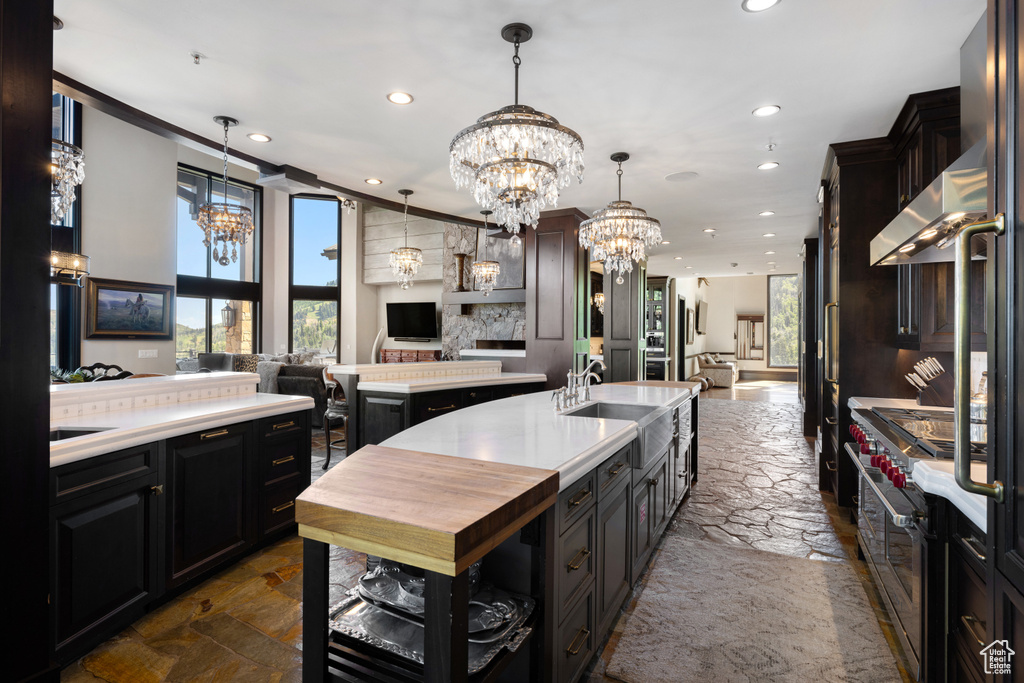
(689, 325)
(511, 260)
(121, 309)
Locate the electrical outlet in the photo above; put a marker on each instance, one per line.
(147, 353)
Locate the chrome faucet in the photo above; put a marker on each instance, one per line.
(588, 374)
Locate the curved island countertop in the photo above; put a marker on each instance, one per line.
(525, 430)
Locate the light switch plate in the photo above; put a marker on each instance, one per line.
(147, 353)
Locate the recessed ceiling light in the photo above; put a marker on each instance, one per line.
(680, 258)
(766, 213)
(665, 242)
(770, 263)
(681, 176)
(767, 166)
(399, 98)
(709, 229)
(768, 253)
(907, 248)
(373, 181)
(768, 234)
(259, 137)
(767, 110)
(758, 5)
(689, 267)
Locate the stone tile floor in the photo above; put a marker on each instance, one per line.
(757, 488)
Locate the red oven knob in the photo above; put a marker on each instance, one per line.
(865, 449)
(900, 481)
(883, 465)
(875, 460)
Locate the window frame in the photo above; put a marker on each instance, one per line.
(69, 238)
(210, 287)
(312, 292)
(768, 321)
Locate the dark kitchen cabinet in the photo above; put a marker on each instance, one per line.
(284, 448)
(650, 512)
(625, 345)
(104, 546)
(613, 553)
(925, 139)
(967, 602)
(431, 404)
(210, 481)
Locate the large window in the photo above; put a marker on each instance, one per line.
(66, 301)
(217, 305)
(783, 320)
(315, 272)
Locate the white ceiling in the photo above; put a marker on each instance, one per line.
(671, 82)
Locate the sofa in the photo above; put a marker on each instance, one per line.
(723, 373)
(289, 374)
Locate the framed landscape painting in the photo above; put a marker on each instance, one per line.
(116, 309)
(689, 325)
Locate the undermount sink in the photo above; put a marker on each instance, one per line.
(655, 423)
(61, 433)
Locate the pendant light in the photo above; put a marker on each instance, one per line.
(598, 300)
(486, 272)
(223, 222)
(405, 261)
(619, 233)
(516, 158)
(67, 171)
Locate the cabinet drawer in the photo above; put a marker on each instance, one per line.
(81, 478)
(478, 395)
(576, 501)
(575, 644)
(613, 470)
(969, 540)
(967, 609)
(280, 461)
(277, 506)
(435, 403)
(575, 570)
(282, 427)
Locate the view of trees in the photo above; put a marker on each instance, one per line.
(312, 323)
(783, 319)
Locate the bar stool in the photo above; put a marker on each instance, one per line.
(337, 410)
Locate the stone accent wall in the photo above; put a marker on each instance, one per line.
(485, 321)
(239, 337)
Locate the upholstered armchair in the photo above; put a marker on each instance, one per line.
(725, 374)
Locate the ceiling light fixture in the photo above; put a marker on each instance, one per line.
(373, 181)
(767, 166)
(618, 233)
(515, 159)
(709, 230)
(598, 300)
(399, 98)
(766, 213)
(486, 272)
(758, 5)
(770, 263)
(67, 171)
(405, 261)
(689, 267)
(665, 242)
(223, 222)
(768, 253)
(67, 268)
(766, 110)
(259, 137)
(768, 234)
(679, 258)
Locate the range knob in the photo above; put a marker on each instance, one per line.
(875, 460)
(892, 471)
(884, 464)
(900, 480)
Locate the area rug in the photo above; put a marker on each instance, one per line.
(711, 612)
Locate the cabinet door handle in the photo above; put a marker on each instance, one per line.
(972, 544)
(432, 409)
(574, 647)
(856, 500)
(828, 339)
(157, 490)
(578, 561)
(287, 505)
(579, 498)
(831, 421)
(615, 469)
(281, 461)
(284, 425)
(831, 466)
(213, 435)
(969, 622)
(653, 482)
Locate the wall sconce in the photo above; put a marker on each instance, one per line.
(227, 315)
(67, 268)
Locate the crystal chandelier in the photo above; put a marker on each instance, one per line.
(598, 300)
(223, 222)
(515, 159)
(619, 233)
(405, 261)
(67, 171)
(486, 272)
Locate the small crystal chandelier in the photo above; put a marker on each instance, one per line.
(618, 233)
(405, 261)
(223, 222)
(516, 158)
(598, 300)
(67, 171)
(486, 272)
(67, 268)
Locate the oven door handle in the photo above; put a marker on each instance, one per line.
(898, 520)
(962, 360)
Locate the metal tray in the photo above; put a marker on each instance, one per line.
(368, 623)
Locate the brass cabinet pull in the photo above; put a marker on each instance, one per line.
(828, 336)
(831, 421)
(581, 636)
(287, 505)
(281, 461)
(432, 409)
(615, 469)
(856, 500)
(157, 490)
(213, 435)
(578, 499)
(972, 544)
(969, 622)
(577, 561)
(962, 360)
(831, 466)
(284, 425)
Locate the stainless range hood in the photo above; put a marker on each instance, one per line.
(959, 196)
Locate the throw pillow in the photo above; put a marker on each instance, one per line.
(717, 358)
(305, 358)
(245, 362)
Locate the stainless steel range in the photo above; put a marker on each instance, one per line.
(895, 519)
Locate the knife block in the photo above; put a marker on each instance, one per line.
(939, 392)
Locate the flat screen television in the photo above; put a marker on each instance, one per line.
(412, 320)
(702, 317)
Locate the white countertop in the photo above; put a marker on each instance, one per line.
(444, 366)
(415, 385)
(492, 353)
(144, 425)
(905, 403)
(525, 430)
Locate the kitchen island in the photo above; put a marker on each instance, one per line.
(619, 482)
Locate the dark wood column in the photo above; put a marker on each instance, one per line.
(26, 66)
